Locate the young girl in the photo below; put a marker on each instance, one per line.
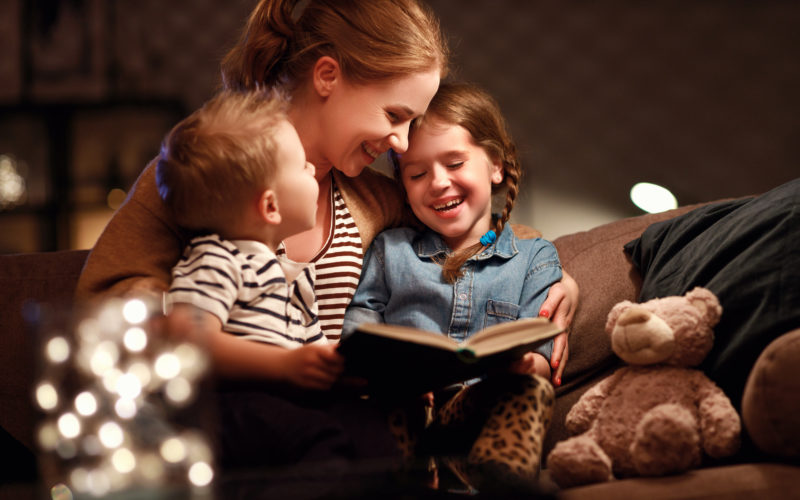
(466, 270)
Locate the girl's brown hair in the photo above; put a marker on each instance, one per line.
(215, 159)
(372, 40)
(472, 108)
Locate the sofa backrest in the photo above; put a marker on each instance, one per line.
(46, 278)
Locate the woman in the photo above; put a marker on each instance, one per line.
(358, 73)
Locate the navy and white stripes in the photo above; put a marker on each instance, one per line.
(255, 294)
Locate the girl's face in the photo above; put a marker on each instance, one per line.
(448, 179)
(360, 122)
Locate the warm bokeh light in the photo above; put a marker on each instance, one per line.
(86, 403)
(57, 349)
(46, 396)
(69, 425)
(652, 198)
(135, 339)
(12, 184)
(200, 474)
(109, 391)
(134, 311)
(167, 366)
(173, 450)
(111, 435)
(115, 198)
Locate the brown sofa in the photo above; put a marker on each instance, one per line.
(596, 260)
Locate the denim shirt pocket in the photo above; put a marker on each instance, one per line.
(498, 311)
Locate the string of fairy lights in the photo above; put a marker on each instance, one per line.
(108, 392)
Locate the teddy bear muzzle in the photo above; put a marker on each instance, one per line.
(642, 338)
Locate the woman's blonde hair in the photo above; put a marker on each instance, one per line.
(217, 159)
(372, 40)
(472, 108)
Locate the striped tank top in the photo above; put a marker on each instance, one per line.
(338, 267)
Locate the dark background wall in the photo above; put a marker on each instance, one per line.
(700, 96)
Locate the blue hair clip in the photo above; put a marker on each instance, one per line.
(488, 238)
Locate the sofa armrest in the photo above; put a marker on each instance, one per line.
(44, 278)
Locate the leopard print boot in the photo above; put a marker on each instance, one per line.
(507, 451)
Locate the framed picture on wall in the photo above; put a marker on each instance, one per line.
(66, 49)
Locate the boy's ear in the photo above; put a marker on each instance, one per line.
(268, 207)
(326, 74)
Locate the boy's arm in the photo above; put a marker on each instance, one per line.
(311, 366)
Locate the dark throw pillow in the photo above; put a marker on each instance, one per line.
(747, 252)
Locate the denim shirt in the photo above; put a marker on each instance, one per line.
(401, 283)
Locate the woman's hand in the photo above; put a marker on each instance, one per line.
(560, 306)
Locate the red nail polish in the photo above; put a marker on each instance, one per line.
(544, 314)
(558, 382)
(555, 364)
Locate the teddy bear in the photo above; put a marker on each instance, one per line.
(656, 415)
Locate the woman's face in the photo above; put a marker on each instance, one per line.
(448, 179)
(360, 122)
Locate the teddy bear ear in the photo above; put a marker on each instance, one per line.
(614, 314)
(708, 304)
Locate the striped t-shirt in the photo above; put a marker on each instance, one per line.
(338, 266)
(254, 293)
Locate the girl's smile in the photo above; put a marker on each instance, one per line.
(448, 180)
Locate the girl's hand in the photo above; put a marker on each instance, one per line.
(531, 362)
(560, 306)
(313, 366)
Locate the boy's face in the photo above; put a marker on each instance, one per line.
(295, 187)
(448, 179)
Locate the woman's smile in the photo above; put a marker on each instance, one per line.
(371, 152)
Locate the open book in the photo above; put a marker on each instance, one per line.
(412, 361)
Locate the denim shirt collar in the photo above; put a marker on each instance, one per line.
(430, 244)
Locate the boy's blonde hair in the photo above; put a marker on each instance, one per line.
(472, 108)
(372, 40)
(218, 159)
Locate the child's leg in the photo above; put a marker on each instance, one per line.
(406, 423)
(511, 415)
(258, 428)
(512, 436)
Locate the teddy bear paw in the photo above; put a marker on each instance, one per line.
(666, 441)
(577, 461)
